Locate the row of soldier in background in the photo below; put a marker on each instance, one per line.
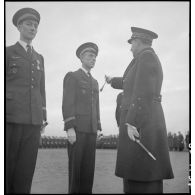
(177, 142)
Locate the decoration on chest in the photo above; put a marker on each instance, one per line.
(13, 69)
(38, 64)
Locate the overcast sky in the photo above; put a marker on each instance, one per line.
(66, 25)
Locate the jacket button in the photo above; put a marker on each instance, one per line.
(32, 86)
(139, 98)
(32, 79)
(140, 108)
(133, 105)
(32, 71)
(33, 64)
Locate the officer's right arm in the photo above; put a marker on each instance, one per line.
(68, 102)
(116, 82)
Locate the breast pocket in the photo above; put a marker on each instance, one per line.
(14, 68)
(95, 93)
(84, 88)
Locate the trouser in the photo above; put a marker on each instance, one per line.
(82, 163)
(133, 187)
(22, 142)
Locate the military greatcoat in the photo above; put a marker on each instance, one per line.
(25, 86)
(141, 107)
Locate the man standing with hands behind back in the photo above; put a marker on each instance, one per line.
(25, 103)
(81, 115)
(142, 118)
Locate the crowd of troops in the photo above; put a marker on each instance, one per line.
(177, 142)
(105, 142)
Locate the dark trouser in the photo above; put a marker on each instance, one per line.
(133, 187)
(82, 163)
(22, 142)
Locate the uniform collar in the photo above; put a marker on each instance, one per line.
(24, 44)
(86, 72)
(148, 48)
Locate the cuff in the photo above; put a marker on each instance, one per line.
(99, 126)
(44, 113)
(69, 123)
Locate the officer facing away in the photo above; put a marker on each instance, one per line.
(25, 103)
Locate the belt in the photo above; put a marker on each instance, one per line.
(157, 98)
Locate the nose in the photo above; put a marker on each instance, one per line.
(33, 27)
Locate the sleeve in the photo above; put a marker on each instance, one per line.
(143, 89)
(117, 110)
(98, 113)
(68, 101)
(7, 60)
(117, 82)
(43, 93)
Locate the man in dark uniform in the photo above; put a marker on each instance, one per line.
(170, 141)
(142, 118)
(175, 142)
(180, 141)
(187, 140)
(81, 115)
(25, 103)
(118, 108)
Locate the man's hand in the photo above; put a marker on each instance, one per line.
(108, 79)
(71, 135)
(45, 123)
(99, 134)
(132, 132)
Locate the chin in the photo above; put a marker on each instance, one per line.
(30, 37)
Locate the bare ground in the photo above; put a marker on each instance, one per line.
(51, 173)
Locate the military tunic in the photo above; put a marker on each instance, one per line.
(25, 86)
(81, 102)
(141, 107)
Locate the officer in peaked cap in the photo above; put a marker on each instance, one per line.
(24, 14)
(25, 103)
(81, 116)
(89, 46)
(145, 35)
(142, 118)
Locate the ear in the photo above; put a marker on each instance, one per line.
(19, 27)
(81, 57)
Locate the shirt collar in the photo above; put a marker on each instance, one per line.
(24, 44)
(86, 72)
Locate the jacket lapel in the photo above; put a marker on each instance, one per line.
(84, 75)
(21, 51)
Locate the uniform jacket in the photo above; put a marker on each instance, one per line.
(141, 107)
(25, 86)
(80, 106)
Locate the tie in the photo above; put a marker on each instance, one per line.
(89, 74)
(28, 50)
